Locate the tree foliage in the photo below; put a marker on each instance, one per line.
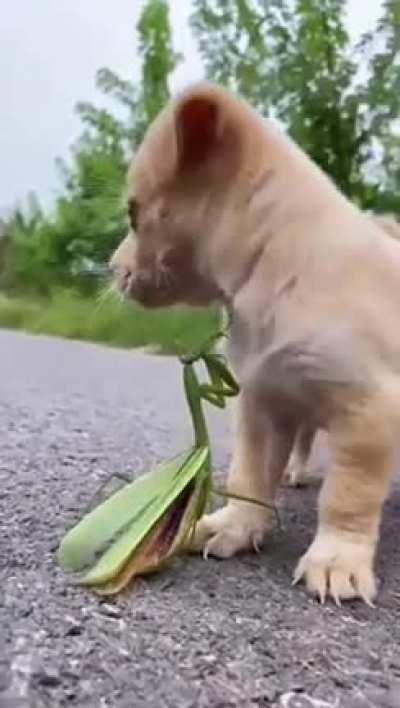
(88, 219)
(382, 97)
(159, 61)
(293, 59)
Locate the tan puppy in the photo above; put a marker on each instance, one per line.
(298, 471)
(227, 208)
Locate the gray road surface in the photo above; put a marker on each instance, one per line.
(201, 634)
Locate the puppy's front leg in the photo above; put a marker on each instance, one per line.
(340, 560)
(262, 448)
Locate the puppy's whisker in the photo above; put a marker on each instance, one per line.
(107, 293)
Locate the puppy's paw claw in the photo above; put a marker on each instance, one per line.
(234, 528)
(338, 567)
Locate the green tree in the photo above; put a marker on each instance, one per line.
(91, 213)
(88, 219)
(158, 62)
(25, 263)
(294, 61)
(291, 61)
(381, 99)
(231, 36)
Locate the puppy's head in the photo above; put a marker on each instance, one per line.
(178, 196)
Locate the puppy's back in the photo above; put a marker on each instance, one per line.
(389, 224)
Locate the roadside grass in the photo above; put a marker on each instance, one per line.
(107, 320)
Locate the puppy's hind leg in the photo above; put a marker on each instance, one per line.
(297, 472)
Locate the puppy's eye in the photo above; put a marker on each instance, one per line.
(133, 210)
(164, 212)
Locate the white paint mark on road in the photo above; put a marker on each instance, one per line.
(303, 700)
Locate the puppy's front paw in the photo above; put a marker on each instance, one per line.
(235, 527)
(339, 566)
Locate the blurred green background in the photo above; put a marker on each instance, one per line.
(293, 59)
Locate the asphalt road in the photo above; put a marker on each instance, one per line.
(200, 634)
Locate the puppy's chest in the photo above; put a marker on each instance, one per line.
(248, 339)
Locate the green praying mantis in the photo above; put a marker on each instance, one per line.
(147, 522)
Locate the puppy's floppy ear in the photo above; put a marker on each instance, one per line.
(198, 129)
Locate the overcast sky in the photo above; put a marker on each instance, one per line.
(50, 51)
